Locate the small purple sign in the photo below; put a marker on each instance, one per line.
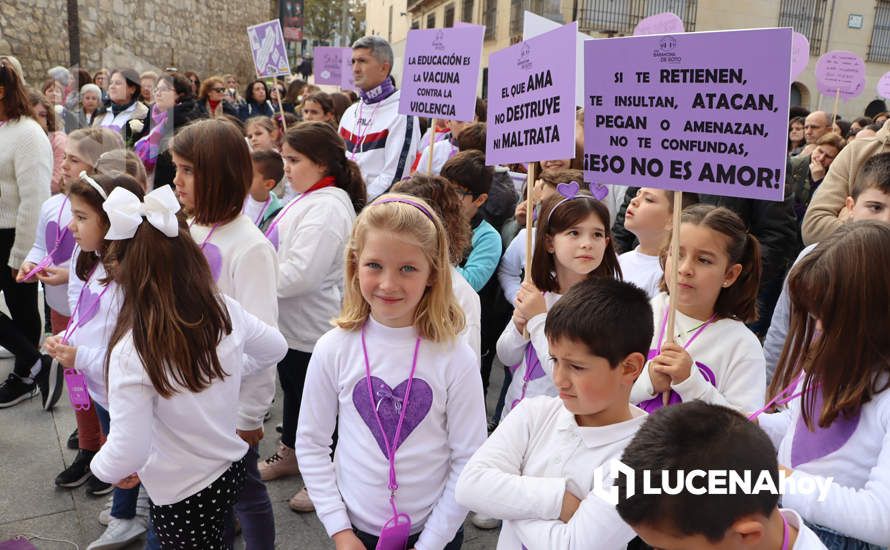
(441, 72)
(267, 47)
(702, 112)
(884, 86)
(660, 23)
(800, 54)
(347, 81)
(531, 99)
(327, 66)
(840, 71)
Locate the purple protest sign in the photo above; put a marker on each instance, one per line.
(840, 71)
(347, 81)
(800, 53)
(267, 47)
(884, 86)
(660, 23)
(702, 112)
(327, 66)
(441, 72)
(531, 99)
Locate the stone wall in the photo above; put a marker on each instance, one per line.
(198, 35)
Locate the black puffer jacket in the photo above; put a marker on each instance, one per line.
(502, 199)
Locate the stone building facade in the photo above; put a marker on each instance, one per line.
(198, 35)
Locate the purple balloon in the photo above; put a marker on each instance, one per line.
(884, 86)
(660, 23)
(800, 54)
(840, 71)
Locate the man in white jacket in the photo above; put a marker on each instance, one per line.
(378, 138)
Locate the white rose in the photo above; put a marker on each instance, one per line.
(136, 125)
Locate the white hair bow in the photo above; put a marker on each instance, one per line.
(125, 212)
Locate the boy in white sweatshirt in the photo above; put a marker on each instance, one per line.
(537, 470)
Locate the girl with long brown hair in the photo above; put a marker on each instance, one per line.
(310, 234)
(213, 175)
(833, 375)
(712, 355)
(81, 348)
(174, 365)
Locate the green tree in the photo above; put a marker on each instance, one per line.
(321, 19)
(357, 13)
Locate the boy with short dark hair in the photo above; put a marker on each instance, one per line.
(261, 204)
(537, 470)
(701, 436)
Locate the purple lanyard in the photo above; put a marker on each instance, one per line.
(785, 536)
(70, 330)
(281, 214)
(259, 218)
(358, 121)
(207, 238)
(390, 449)
(782, 397)
(688, 342)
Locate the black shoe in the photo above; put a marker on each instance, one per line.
(15, 390)
(49, 380)
(96, 487)
(79, 471)
(73, 441)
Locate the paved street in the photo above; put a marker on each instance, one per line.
(32, 447)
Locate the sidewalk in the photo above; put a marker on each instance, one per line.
(33, 451)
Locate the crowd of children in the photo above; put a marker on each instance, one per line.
(382, 310)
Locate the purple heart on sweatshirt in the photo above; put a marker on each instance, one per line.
(17, 543)
(657, 402)
(388, 402)
(599, 191)
(60, 253)
(273, 237)
(214, 259)
(807, 446)
(88, 305)
(533, 369)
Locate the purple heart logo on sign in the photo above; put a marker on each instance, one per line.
(268, 50)
(703, 112)
(531, 99)
(800, 54)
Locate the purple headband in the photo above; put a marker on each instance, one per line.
(570, 191)
(415, 204)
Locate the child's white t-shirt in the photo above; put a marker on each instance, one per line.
(728, 364)
(445, 423)
(532, 372)
(853, 454)
(806, 538)
(521, 474)
(642, 270)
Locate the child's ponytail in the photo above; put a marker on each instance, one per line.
(738, 300)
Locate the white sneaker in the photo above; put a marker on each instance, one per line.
(118, 534)
(105, 514)
(484, 522)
